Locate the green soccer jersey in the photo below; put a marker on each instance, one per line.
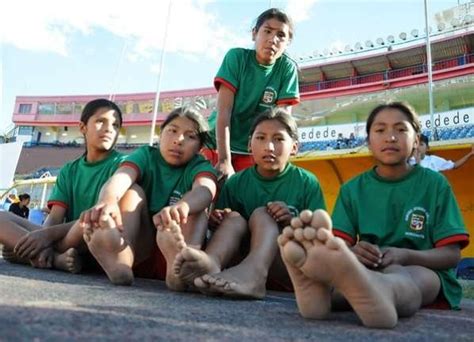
(79, 182)
(256, 88)
(247, 190)
(417, 212)
(165, 184)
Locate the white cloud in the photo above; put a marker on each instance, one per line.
(49, 25)
(299, 9)
(155, 69)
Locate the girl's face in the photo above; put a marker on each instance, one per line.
(271, 147)
(25, 202)
(392, 138)
(101, 130)
(179, 141)
(271, 40)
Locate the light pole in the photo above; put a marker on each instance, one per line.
(430, 73)
(158, 85)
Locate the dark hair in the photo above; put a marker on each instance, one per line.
(277, 14)
(403, 107)
(94, 105)
(194, 115)
(282, 116)
(24, 197)
(425, 139)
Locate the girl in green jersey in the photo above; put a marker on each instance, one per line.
(179, 185)
(402, 228)
(253, 206)
(100, 122)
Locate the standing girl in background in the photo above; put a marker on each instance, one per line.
(254, 205)
(76, 189)
(179, 185)
(249, 82)
(404, 227)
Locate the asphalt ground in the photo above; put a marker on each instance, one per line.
(47, 305)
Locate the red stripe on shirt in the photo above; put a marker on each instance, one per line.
(133, 166)
(461, 239)
(220, 81)
(58, 203)
(289, 102)
(344, 236)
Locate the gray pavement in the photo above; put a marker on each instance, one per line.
(45, 305)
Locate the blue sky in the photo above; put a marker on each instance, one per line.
(75, 47)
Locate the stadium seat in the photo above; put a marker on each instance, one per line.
(37, 216)
(465, 269)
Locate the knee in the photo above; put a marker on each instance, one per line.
(5, 216)
(260, 218)
(236, 220)
(258, 214)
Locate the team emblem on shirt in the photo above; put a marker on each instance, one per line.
(417, 218)
(269, 96)
(417, 222)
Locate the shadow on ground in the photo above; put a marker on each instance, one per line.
(51, 305)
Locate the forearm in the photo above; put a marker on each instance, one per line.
(57, 232)
(114, 189)
(72, 238)
(436, 259)
(464, 159)
(197, 199)
(223, 135)
(53, 220)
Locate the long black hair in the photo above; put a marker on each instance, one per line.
(278, 15)
(403, 107)
(189, 112)
(93, 106)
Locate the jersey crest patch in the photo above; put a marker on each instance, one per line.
(269, 96)
(417, 218)
(417, 222)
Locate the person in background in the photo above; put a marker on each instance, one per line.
(436, 163)
(21, 208)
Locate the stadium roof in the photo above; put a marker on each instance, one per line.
(395, 59)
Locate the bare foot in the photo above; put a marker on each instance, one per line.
(69, 261)
(313, 297)
(109, 248)
(241, 281)
(10, 256)
(328, 260)
(170, 240)
(192, 263)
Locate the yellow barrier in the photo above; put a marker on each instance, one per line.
(336, 167)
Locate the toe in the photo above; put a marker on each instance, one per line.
(288, 232)
(309, 233)
(282, 240)
(294, 254)
(298, 234)
(321, 219)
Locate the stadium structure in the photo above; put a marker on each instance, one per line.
(338, 90)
